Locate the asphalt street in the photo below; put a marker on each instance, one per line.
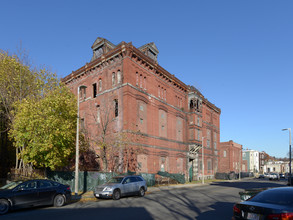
(210, 201)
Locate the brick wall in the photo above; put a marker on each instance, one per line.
(230, 157)
(152, 108)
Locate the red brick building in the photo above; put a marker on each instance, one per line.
(231, 157)
(163, 120)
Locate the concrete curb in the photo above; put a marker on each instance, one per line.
(89, 196)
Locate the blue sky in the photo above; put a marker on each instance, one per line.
(238, 53)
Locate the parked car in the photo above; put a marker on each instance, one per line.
(274, 176)
(275, 203)
(261, 176)
(282, 176)
(121, 186)
(32, 193)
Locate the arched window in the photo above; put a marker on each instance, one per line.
(140, 81)
(100, 85)
(94, 90)
(113, 79)
(159, 89)
(162, 123)
(98, 114)
(116, 107)
(119, 77)
(191, 104)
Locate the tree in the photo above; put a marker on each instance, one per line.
(103, 137)
(87, 156)
(44, 128)
(123, 154)
(18, 81)
(116, 149)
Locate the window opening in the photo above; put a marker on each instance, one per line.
(94, 90)
(116, 107)
(100, 85)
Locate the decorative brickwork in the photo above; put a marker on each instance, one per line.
(162, 119)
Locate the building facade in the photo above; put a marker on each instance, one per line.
(230, 157)
(252, 158)
(155, 122)
(276, 167)
(261, 162)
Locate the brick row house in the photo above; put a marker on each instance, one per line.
(231, 157)
(148, 119)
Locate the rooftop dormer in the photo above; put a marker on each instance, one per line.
(100, 47)
(150, 50)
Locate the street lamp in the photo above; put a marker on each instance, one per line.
(77, 142)
(202, 161)
(289, 129)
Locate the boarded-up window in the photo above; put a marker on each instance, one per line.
(162, 123)
(209, 165)
(142, 116)
(179, 165)
(83, 93)
(142, 160)
(113, 79)
(100, 85)
(191, 134)
(198, 134)
(98, 114)
(119, 77)
(179, 129)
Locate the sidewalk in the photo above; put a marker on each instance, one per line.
(89, 196)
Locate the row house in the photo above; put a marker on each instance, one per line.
(253, 159)
(276, 167)
(231, 157)
(148, 119)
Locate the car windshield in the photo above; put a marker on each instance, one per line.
(280, 197)
(116, 180)
(11, 185)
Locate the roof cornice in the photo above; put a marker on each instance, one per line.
(127, 49)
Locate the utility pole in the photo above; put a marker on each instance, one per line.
(202, 161)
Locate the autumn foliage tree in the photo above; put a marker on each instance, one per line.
(44, 127)
(37, 111)
(17, 81)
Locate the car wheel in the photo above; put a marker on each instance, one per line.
(59, 200)
(4, 206)
(141, 192)
(116, 194)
